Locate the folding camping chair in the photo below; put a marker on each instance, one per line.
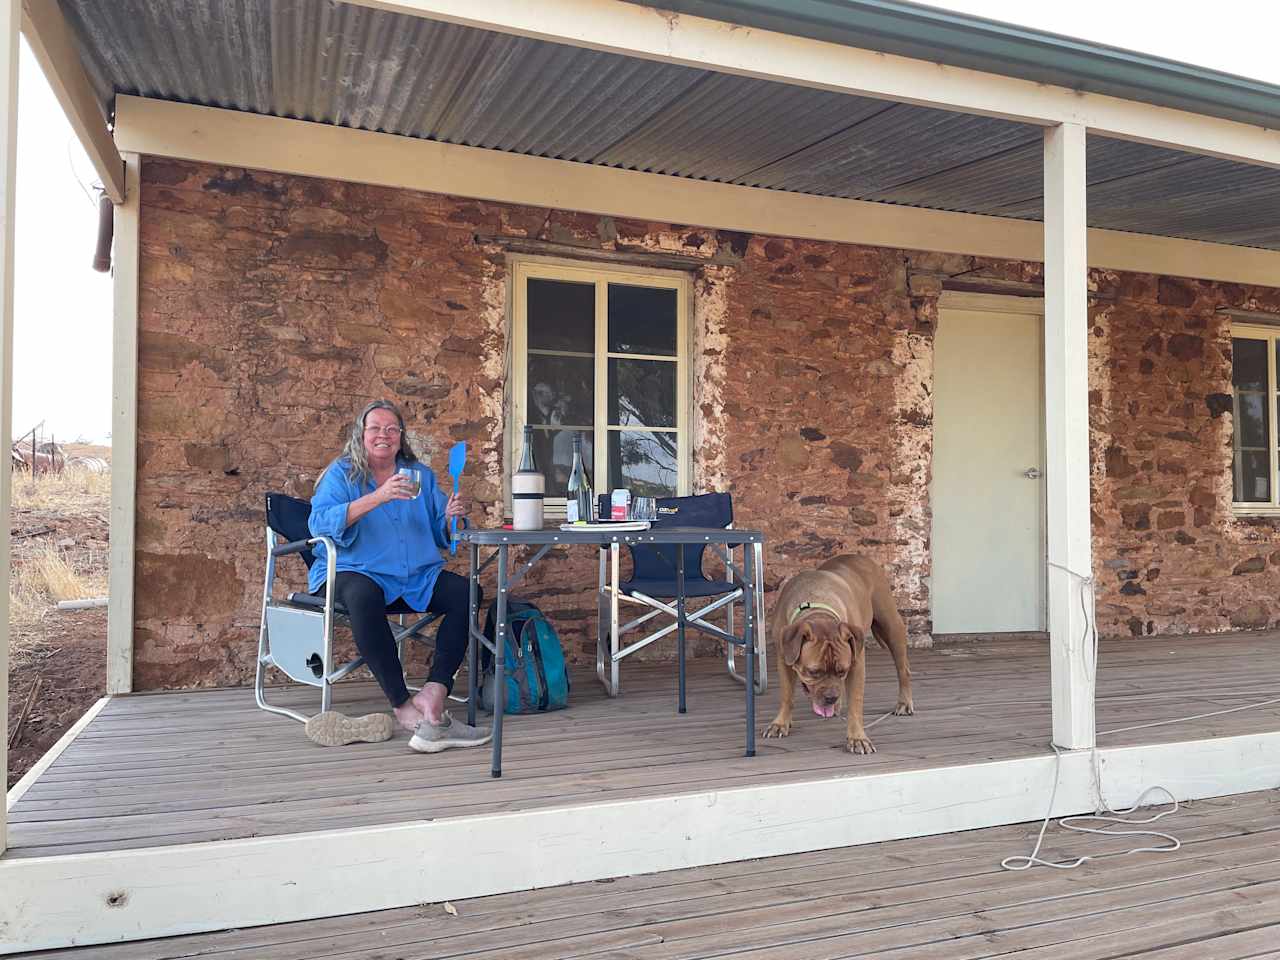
(296, 636)
(653, 580)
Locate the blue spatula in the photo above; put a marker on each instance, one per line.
(457, 460)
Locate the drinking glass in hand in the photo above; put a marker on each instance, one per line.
(413, 476)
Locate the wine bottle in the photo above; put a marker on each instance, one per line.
(527, 489)
(578, 495)
(527, 462)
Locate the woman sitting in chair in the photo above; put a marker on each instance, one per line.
(390, 531)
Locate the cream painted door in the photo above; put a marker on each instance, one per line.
(988, 472)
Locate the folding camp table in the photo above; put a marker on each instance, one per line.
(501, 542)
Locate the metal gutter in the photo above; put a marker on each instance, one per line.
(958, 39)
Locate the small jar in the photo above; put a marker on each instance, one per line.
(620, 505)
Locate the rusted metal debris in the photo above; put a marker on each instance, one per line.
(45, 458)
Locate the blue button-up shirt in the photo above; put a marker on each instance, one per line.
(397, 544)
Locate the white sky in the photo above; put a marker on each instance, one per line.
(62, 309)
(62, 334)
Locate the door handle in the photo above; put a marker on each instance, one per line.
(1032, 473)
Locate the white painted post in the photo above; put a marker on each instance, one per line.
(124, 433)
(1066, 385)
(10, 19)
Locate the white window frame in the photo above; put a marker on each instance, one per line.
(523, 269)
(1270, 334)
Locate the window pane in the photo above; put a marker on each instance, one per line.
(561, 391)
(1251, 466)
(1251, 420)
(643, 462)
(1249, 364)
(553, 449)
(642, 320)
(562, 316)
(1252, 483)
(642, 393)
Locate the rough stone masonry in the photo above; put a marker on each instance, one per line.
(273, 307)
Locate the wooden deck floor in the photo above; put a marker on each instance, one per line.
(935, 898)
(183, 767)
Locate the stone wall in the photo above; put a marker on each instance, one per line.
(274, 307)
(1169, 555)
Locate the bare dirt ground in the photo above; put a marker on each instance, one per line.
(59, 537)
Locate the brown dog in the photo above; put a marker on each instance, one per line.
(822, 618)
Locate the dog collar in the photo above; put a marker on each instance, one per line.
(805, 607)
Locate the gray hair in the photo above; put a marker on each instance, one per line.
(358, 471)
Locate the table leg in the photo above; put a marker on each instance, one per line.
(473, 647)
(499, 662)
(749, 638)
(602, 615)
(615, 640)
(680, 621)
(762, 652)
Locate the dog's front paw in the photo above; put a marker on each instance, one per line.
(905, 708)
(779, 728)
(859, 745)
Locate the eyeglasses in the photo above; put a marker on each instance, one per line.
(384, 431)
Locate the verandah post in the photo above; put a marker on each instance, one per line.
(10, 19)
(124, 432)
(1066, 384)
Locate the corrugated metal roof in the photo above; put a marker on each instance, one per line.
(880, 152)
(357, 66)
(726, 127)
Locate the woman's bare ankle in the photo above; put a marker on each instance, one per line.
(408, 716)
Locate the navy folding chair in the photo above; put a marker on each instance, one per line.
(653, 581)
(296, 636)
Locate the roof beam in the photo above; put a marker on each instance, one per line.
(233, 138)
(50, 38)
(638, 31)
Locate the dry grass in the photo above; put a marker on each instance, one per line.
(50, 574)
(59, 550)
(75, 491)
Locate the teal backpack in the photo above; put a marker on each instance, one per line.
(534, 675)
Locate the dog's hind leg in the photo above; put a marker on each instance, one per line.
(891, 631)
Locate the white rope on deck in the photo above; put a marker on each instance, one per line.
(1103, 813)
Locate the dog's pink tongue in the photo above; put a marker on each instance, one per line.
(824, 710)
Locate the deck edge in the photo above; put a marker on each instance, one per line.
(40, 766)
(80, 899)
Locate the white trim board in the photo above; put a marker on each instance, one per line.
(124, 433)
(634, 30)
(45, 762)
(50, 902)
(991, 303)
(237, 139)
(10, 15)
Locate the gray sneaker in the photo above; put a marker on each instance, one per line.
(432, 738)
(333, 729)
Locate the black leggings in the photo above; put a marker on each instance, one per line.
(368, 613)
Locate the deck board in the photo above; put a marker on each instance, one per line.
(931, 898)
(159, 769)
